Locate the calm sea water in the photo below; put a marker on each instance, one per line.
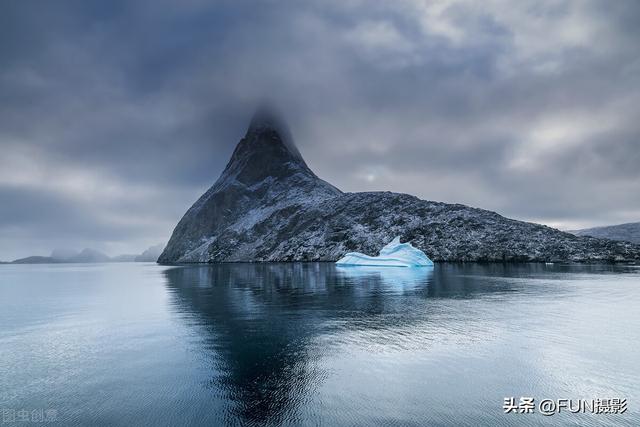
(312, 344)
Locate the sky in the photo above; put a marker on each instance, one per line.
(115, 116)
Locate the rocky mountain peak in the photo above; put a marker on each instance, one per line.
(265, 175)
(267, 149)
(269, 206)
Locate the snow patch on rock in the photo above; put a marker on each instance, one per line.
(199, 254)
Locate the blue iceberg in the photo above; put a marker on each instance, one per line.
(394, 254)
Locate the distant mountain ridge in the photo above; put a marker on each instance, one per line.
(150, 254)
(268, 205)
(35, 259)
(629, 232)
(88, 255)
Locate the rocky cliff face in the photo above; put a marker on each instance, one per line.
(269, 206)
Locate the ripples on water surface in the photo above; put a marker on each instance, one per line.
(312, 344)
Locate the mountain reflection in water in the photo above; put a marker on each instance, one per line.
(267, 325)
(307, 344)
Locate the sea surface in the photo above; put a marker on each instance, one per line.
(310, 344)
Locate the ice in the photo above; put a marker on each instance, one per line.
(394, 254)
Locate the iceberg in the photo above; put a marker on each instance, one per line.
(394, 254)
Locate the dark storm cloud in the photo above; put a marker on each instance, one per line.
(114, 116)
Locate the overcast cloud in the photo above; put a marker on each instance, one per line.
(115, 116)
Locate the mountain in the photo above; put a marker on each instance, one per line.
(36, 259)
(59, 256)
(268, 205)
(151, 254)
(629, 232)
(89, 255)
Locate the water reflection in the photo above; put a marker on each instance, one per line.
(403, 278)
(266, 325)
(308, 344)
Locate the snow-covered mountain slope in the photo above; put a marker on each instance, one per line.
(269, 206)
